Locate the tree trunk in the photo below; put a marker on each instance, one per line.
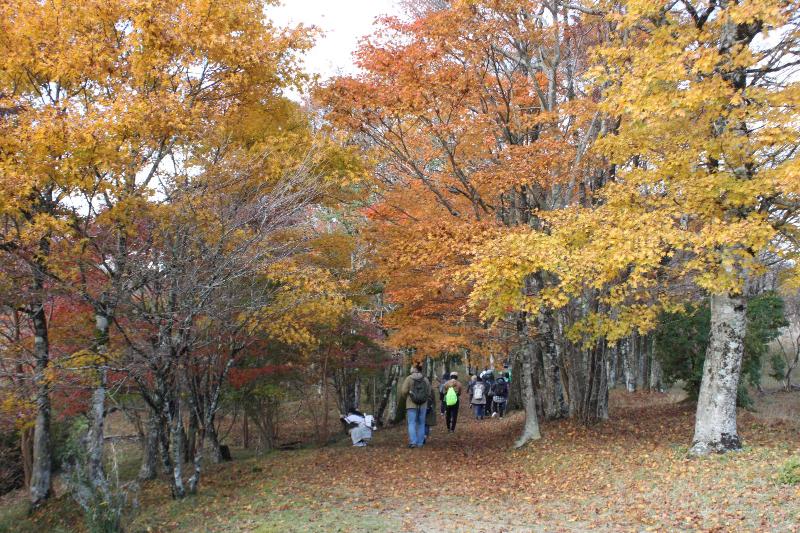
(177, 445)
(149, 466)
(553, 397)
(391, 379)
(26, 454)
(357, 393)
(214, 450)
(656, 383)
(597, 397)
(41, 483)
(95, 436)
(642, 361)
(197, 461)
(715, 423)
(191, 435)
(531, 429)
(629, 363)
(611, 366)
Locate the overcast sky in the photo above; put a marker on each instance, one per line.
(344, 23)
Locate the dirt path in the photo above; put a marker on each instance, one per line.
(630, 473)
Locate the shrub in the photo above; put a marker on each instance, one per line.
(790, 472)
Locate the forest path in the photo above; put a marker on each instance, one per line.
(630, 473)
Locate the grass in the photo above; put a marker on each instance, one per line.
(631, 473)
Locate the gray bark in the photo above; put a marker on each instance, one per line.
(95, 436)
(41, 483)
(527, 355)
(715, 423)
(629, 363)
(552, 394)
(177, 446)
(391, 379)
(149, 466)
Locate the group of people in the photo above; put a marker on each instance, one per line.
(487, 397)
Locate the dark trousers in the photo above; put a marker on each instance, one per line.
(451, 416)
(500, 408)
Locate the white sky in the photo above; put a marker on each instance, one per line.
(344, 23)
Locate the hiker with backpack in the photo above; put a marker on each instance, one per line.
(478, 398)
(445, 379)
(452, 394)
(500, 390)
(488, 379)
(417, 390)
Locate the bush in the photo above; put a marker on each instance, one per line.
(790, 472)
(681, 340)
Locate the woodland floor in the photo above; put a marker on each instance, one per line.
(628, 474)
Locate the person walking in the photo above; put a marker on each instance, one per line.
(417, 391)
(445, 379)
(470, 385)
(500, 397)
(452, 395)
(478, 398)
(488, 379)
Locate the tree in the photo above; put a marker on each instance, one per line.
(493, 129)
(95, 100)
(704, 165)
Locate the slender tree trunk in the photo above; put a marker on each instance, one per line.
(95, 436)
(531, 429)
(177, 446)
(391, 379)
(40, 487)
(149, 466)
(656, 375)
(324, 377)
(715, 423)
(214, 449)
(592, 405)
(611, 366)
(357, 393)
(191, 435)
(197, 462)
(642, 362)
(629, 363)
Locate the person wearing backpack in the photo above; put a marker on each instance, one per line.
(452, 393)
(488, 379)
(445, 379)
(478, 398)
(500, 397)
(417, 390)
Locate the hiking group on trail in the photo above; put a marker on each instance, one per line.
(487, 397)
